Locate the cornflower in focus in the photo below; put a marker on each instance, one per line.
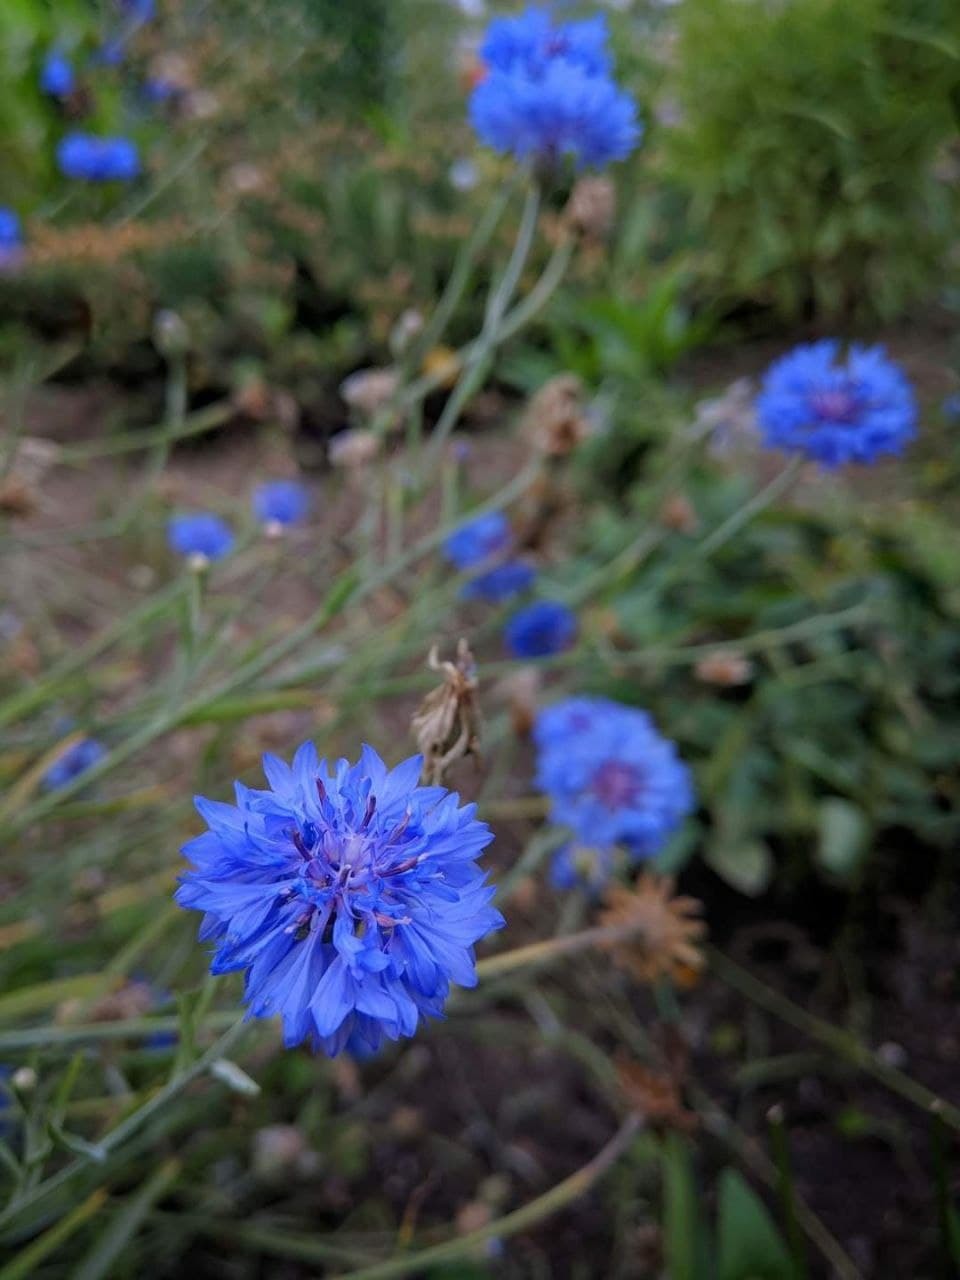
(836, 410)
(547, 92)
(92, 159)
(201, 536)
(541, 629)
(610, 777)
(349, 896)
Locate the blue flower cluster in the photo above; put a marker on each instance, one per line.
(610, 777)
(74, 761)
(350, 897)
(548, 92)
(93, 159)
(833, 410)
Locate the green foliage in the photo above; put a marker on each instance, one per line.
(807, 138)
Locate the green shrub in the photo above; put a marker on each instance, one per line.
(806, 138)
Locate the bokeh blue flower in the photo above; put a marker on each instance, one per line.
(350, 896)
(75, 760)
(578, 866)
(200, 533)
(281, 502)
(480, 541)
(93, 159)
(547, 92)
(836, 410)
(500, 583)
(610, 776)
(540, 629)
(57, 76)
(11, 236)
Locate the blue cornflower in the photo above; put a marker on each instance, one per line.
(540, 629)
(610, 776)
(577, 866)
(531, 40)
(56, 75)
(11, 237)
(350, 897)
(281, 502)
(500, 583)
(547, 93)
(836, 411)
(479, 541)
(139, 11)
(93, 159)
(75, 760)
(201, 535)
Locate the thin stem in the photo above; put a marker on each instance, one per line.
(743, 515)
(126, 1128)
(841, 1042)
(564, 1193)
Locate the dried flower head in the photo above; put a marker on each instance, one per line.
(446, 725)
(658, 932)
(592, 207)
(555, 421)
(726, 668)
(369, 390)
(353, 448)
(655, 1095)
(679, 514)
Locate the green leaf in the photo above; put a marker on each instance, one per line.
(844, 836)
(749, 1245)
(745, 865)
(684, 1235)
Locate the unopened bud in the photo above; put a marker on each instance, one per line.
(171, 336)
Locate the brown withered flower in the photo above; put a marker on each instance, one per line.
(446, 725)
(679, 515)
(658, 932)
(592, 207)
(555, 421)
(656, 1095)
(726, 668)
(369, 390)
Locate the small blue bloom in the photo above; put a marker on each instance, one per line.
(836, 411)
(200, 533)
(74, 761)
(479, 541)
(610, 776)
(110, 53)
(139, 10)
(282, 502)
(56, 75)
(548, 93)
(540, 629)
(577, 866)
(350, 897)
(158, 90)
(11, 236)
(93, 159)
(500, 583)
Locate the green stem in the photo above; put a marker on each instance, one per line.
(558, 1197)
(126, 1128)
(841, 1042)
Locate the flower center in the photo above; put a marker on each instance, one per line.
(617, 784)
(839, 404)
